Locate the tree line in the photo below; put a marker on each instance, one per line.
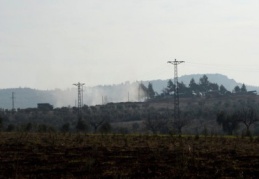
(197, 114)
(203, 88)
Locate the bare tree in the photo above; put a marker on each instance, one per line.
(97, 120)
(156, 122)
(96, 116)
(81, 126)
(185, 118)
(105, 128)
(228, 122)
(247, 116)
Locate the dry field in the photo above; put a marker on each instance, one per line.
(31, 155)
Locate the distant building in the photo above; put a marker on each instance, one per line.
(45, 107)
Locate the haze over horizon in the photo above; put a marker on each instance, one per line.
(53, 44)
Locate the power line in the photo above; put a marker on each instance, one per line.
(176, 90)
(154, 72)
(13, 101)
(80, 96)
(230, 67)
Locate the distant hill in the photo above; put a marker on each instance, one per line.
(26, 97)
(220, 79)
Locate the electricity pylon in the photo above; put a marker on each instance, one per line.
(13, 109)
(80, 96)
(176, 90)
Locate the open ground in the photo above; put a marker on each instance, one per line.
(57, 155)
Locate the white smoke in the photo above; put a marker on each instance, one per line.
(125, 92)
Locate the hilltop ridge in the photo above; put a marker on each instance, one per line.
(27, 97)
(214, 78)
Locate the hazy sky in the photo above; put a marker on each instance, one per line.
(54, 43)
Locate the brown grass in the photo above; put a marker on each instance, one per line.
(24, 155)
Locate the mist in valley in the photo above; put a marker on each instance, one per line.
(101, 94)
(98, 95)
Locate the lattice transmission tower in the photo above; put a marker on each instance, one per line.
(13, 109)
(176, 90)
(80, 96)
